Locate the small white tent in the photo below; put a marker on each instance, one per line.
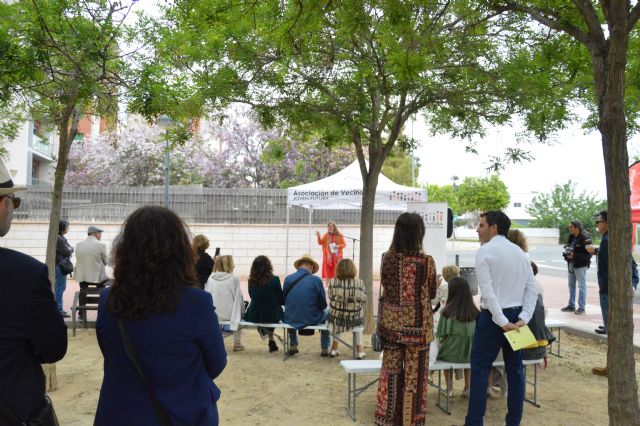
(343, 191)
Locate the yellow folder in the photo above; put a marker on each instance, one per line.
(519, 340)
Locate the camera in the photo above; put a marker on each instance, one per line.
(568, 252)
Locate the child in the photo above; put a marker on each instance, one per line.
(455, 329)
(448, 273)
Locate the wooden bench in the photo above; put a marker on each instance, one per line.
(91, 296)
(557, 325)
(355, 367)
(285, 338)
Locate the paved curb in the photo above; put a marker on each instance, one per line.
(591, 335)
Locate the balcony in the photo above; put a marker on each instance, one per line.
(41, 147)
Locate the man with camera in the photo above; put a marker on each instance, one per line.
(578, 261)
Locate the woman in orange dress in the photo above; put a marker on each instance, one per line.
(332, 245)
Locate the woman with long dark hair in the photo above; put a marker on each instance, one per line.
(170, 324)
(63, 252)
(408, 281)
(265, 291)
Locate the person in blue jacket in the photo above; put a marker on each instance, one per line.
(172, 326)
(305, 302)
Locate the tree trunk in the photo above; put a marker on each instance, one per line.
(370, 184)
(68, 129)
(609, 65)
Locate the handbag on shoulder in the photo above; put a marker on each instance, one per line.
(44, 416)
(376, 340)
(66, 266)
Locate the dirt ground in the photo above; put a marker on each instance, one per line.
(258, 388)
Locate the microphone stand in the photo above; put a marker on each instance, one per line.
(353, 250)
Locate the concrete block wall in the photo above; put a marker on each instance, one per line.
(243, 242)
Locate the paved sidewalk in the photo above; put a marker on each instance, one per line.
(556, 295)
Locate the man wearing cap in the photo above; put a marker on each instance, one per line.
(32, 332)
(305, 302)
(91, 258)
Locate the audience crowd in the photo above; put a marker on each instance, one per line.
(159, 318)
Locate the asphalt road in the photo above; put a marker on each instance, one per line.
(547, 257)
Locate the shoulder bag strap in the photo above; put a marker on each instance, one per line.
(161, 414)
(293, 284)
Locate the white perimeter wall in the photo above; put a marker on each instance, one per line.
(243, 242)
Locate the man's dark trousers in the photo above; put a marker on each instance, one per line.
(488, 339)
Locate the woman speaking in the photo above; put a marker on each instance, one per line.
(332, 245)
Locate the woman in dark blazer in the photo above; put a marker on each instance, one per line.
(266, 297)
(172, 327)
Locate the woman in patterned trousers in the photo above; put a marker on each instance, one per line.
(408, 281)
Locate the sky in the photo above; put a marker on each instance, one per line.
(574, 155)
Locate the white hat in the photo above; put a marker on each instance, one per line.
(6, 184)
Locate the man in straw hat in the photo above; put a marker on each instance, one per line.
(305, 302)
(32, 332)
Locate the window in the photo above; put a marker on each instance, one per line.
(517, 204)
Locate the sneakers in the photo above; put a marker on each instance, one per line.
(579, 312)
(600, 371)
(601, 331)
(293, 350)
(65, 314)
(361, 355)
(238, 348)
(465, 393)
(568, 308)
(334, 353)
(325, 352)
(272, 346)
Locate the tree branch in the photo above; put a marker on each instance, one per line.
(590, 18)
(542, 16)
(633, 18)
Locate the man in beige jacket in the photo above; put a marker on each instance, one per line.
(91, 259)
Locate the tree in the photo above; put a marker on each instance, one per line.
(352, 71)
(591, 42)
(68, 63)
(399, 168)
(482, 194)
(65, 61)
(445, 194)
(562, 205)
(252, 156)
(134, 156)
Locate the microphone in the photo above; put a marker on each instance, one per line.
(351, 238)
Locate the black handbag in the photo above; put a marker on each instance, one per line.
(376, 340)
(66, 266)
(45, 416)
(161, 413)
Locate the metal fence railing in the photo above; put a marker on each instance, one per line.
(194, 204)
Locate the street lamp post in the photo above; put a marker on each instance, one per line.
(163, 122)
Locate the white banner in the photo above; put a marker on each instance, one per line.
(435, 236)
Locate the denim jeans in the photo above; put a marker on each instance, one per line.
(61, 286)
(325, 336)
(604, 306)
(579, 275)
(488, 339)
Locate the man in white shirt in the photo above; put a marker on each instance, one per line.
(509, 294)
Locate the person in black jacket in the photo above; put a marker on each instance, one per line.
(578, 261)
(32, 331)
(204, 262)
(63, 251)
